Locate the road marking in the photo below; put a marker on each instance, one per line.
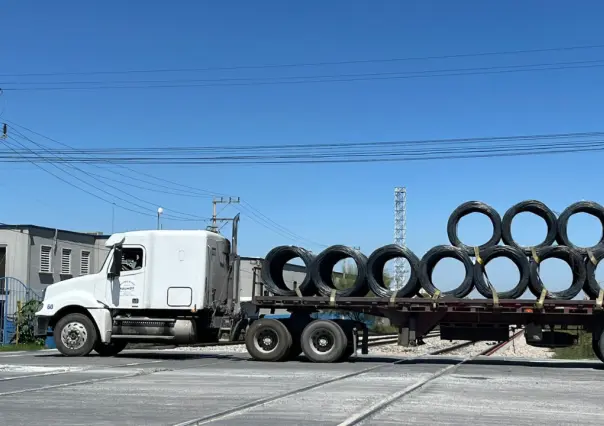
(104, 379)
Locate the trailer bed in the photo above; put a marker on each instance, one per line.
(459, 319)
(522, 306)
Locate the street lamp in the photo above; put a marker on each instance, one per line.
(159, 212)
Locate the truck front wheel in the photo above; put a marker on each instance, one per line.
(75, 335)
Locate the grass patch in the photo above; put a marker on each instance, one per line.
(22, 347)
(384, 329)
(582, 350)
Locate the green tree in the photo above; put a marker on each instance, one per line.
(346, 277)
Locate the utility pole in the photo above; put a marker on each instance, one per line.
(215, 202)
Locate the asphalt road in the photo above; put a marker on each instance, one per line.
(168, 388)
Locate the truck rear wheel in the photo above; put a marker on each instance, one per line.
(75, 335)
(324, 341)
(111, 348)
(268, 340)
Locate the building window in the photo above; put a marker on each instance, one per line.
(45, 259)
(85, 263)
(66, 261)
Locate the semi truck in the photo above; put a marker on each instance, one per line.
(181, 288)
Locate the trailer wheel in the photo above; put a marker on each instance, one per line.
(596, 345)
(268, 340)
(75, 335)
(111, 348)
(324, 341)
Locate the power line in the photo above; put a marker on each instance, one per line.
(310, 64)
(301, 77)
(200, 192)
(254, 214)
(135, 197)
(85, 190)
(279, 148)
(375, 154)
(310, 80)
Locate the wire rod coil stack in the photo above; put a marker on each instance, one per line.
(369, 277)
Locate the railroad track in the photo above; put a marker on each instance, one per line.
(365, 413)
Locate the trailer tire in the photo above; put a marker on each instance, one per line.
(75, 335)
(322, 271)
(268, 340)
(588, 207)
(111, 348)
(324, 341)
(375, 270)
(572, 258)
(597, 345)
(435, 255)
(537, 208)
(272, 271)
(515, 255)
(466, 209)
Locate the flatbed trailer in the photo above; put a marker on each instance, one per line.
(545, 321)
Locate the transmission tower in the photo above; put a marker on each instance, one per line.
(400, 234)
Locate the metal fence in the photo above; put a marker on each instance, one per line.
(14, 294)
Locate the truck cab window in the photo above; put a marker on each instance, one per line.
(132, 258)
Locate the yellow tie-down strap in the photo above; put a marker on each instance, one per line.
(435, 297)
(332, 297)
(539, 303)
(534, 254)
(591, 257)
(495, 296)
(393, 298)
(298, 292)
(477, 255)
(600, 299)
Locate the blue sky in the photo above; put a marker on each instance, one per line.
(351, 203)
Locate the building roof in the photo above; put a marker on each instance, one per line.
(96, 235)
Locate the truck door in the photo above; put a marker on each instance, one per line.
(127, 289)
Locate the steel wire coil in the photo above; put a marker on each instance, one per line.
(466, 209)
(435, 255)
(515, 255)
(375, 271)
(322, 270)
(274, 264)
(572, 258)
(537, 208)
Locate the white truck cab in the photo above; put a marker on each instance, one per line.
(154, 286)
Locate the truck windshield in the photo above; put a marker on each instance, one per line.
(106, 259)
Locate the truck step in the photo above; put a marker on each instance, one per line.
(143, 319)
(141, 337)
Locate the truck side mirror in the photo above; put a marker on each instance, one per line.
(116, 265)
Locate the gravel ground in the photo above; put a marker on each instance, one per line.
(519, 348)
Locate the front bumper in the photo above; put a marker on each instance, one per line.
(41, 326)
